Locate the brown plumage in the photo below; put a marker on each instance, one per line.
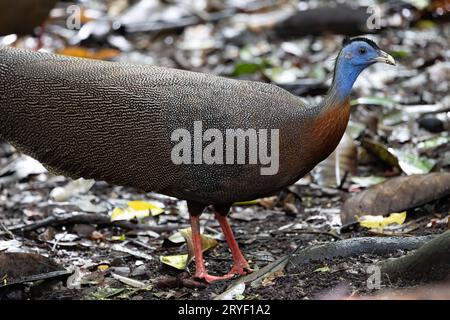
(113, 122)
(22, 16)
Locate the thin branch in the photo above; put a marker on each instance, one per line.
(85, 218)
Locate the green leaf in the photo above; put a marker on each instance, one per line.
(178, 261)
(426, 24)
(399, 54)
(376, 101)
(323, 269)
(434, 142)
(245, 68)
(369, 181)
(281, 75)
(122, 237)
(249, 67)
(105, 293)
(129, 292)
(407, 162)
(412, 164)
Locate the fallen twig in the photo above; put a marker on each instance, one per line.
(128, 281)
(85, 218)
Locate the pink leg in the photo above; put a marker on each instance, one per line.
(200, 269)
(240, 266)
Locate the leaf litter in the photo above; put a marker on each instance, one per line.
(389, 112)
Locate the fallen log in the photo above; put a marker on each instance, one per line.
(353, 247)
(18, 267)
(428, 263)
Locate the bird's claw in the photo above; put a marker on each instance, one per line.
(237, 269)
(241, 270)
(210, 278)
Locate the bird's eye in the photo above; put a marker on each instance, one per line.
(362, 50)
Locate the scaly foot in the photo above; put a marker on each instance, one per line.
(241, 270)
(209, 278)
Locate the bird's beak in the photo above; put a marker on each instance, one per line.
(385, 58)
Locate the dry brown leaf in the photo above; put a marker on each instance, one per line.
(397, 195)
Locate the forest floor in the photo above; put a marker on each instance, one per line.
(399, 127)
(269, 235)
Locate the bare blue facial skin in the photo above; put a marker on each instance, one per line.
(356, 56)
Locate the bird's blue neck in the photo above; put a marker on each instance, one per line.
(345, 76)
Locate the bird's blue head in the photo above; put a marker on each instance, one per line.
(356, 55)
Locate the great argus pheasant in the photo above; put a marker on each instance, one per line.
(116, 122)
